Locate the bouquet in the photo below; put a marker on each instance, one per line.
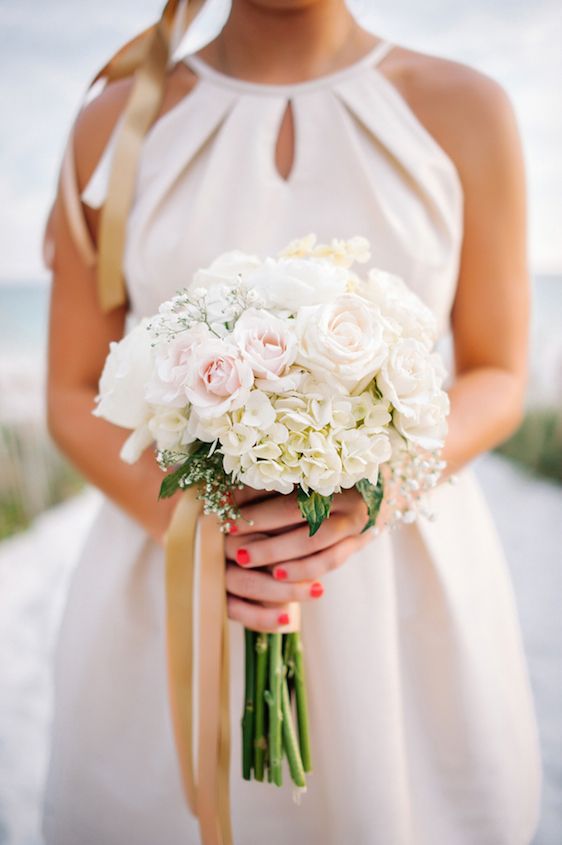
(294, 373)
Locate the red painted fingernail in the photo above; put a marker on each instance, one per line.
(316, 590)
(280, 573)
(233, 529)
(243, 557)
(283, 619)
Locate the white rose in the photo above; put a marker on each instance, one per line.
(428, 427)
(267, 343)
(410, 376)
(343, 339)
(411, 317)
(127, 369)
(290, 283)
(229, 268)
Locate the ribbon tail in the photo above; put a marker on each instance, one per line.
(180, 569)
(224, 739)
(211, 636)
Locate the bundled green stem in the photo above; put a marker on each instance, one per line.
(273, 699)
(301, 699)
(290, 741)
(260, 742)
(249, 704)
(274, 682)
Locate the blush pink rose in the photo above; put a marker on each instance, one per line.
(173, 363)
(266, 343)
(217, 379)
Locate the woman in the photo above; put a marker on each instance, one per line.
(295, 119)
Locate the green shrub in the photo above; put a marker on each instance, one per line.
(537, 443)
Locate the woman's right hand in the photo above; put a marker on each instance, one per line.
(273, 565)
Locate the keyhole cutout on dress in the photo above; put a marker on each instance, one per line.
(285, 146)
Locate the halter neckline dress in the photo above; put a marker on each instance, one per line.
(423, 723)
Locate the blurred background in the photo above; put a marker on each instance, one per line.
(49, 53)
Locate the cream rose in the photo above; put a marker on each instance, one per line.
(409, 377)
(343, 339)
(428, 427)
(407, 313)
(230, 267)
(289, 283)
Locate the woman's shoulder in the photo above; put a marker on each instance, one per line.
(468, 112)
(98, 118)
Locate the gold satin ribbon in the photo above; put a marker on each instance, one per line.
(146, 56)
(208, 795)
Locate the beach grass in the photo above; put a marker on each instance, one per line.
(34, 476)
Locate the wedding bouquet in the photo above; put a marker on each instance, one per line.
(291, 374)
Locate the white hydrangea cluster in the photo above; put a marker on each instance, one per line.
(295, 368)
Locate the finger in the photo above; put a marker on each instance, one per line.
(297, 543)
(263, 587)
(249, 494)
(256, 617)
(350, 500)
(272, 513)
(313, 568)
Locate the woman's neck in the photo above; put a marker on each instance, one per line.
(289, 42)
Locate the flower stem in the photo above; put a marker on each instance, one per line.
(260, 742)
(275, 708)
(301, 699)
(290, 741)
(249, 705)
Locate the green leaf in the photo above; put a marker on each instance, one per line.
(315, 509)
(171, 482)
(372, 496)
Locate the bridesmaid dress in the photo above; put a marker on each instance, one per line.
(423, 723)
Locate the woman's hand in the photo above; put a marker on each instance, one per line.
(273, 563)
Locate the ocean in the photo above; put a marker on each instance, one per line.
(24, 307)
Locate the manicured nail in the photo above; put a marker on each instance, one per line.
(283, 619)
(316, 590)
(280, 573)
(243, 557)
(233, 529)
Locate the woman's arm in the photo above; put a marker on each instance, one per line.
(491, 311)
(79, 336)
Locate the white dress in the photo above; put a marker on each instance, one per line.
(423, 724)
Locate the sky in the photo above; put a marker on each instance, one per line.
(49, 51)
